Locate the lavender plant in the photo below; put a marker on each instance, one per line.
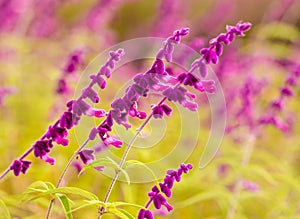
(156, 78)
(141, 86)
(59, 130)
(254, 174)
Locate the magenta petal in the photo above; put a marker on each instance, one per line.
(48, 159)
(113, 141)
(86, 155)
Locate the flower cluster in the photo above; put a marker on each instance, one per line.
(168, 48)
(181, 95)
(158, 196)
(76, 108)
(245, 114)
(121, 108)
(212, 53)
(73, 63)
(276, 105)
(153, 79)
(19, 166)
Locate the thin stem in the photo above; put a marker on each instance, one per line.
(22, 157)
(64, 173)
(91, 84)
(238, 186)
(113, 182)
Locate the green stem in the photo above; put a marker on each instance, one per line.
(64, 173)
(113, 182)
(238, 185)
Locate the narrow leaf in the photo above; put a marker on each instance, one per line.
(4, 213)
(89, 203)
(127, 214)
(67, 190)
(116, 204)
(66, 205)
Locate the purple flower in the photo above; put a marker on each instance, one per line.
(76, 108)
(91, 94)
(277, 104)
(211, 54)
(99, 80)
(42, 148)
(223, 170)
(120, 118)
(62, 86)
(291, 81)
(113, 141)
(169, 47)
(160, 110)
(135, 113)
(48, 159)
(58, 135)
(250, 186)
(68, 120)
(145, 214)
(161, 212)
(74, 60)
(19, 166)
(157, 197)
(285, 91)
(103, 130)
(273, 120)
(114, 56)
(77, 165)
(86, 155)
(201, 66)
(178, 94)
(95, 112)
(80, 107)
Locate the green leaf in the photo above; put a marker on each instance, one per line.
(66, 190)
(45, 185)
(128, 215)
(4, 213)
(121, 169)
(88, 203)
(119, 213)
(66, 205)
(116, 204)
(99, 162)
(50, 185)
(38, 186)
(108, 162)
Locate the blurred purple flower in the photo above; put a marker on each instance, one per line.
(250, 186)
(86, 155)
(5, 91)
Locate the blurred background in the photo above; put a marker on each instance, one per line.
(255, 173)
